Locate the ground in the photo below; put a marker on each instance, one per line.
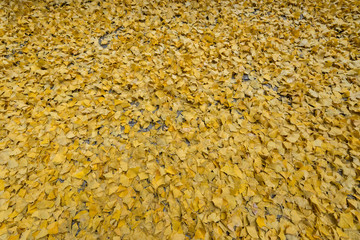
(179, 120)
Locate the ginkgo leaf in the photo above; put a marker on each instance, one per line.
(252, 232)
(260, 222)
(179, 120)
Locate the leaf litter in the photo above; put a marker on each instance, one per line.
(179, 120)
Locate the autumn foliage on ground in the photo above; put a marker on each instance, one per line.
(179, 119)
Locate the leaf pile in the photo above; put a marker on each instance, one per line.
(179, 120)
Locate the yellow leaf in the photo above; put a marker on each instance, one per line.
(53, 228)
(116, 215)
(14, 237)
(252, 231)
(171, 170)
(178, 236)
(228, 170)
(43, 232)
(79, 214)
(70, 135)
(2, 185)
(242, 188)
(341, 233)
(200, 233)
(124, 180)
(41, 214)
(81, 174)
(127, 129)
(293, 137)
(335, 131)
(143, 175)
(238, 173)
(181, 154)
(217, 201)
(291, 230)
(260, 222)
(346, 220)
(282, 234)
(132, 172)
(295, 217)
